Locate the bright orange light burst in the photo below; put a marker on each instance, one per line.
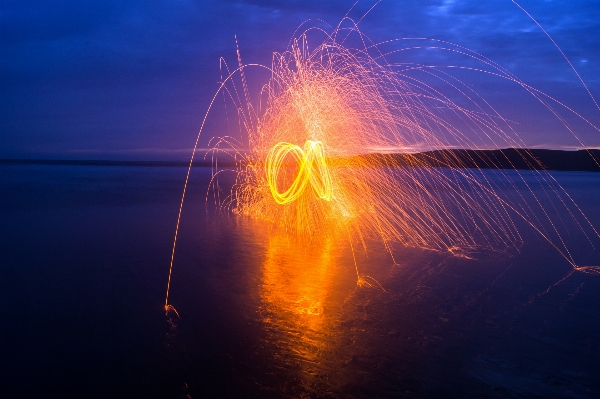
(352, 110)
(345, 104)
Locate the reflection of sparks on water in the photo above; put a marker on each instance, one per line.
(296, 280)
(340, 103)
(302, 290)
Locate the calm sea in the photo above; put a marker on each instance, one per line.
(84, 257)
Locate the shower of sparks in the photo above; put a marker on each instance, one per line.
(311, 160)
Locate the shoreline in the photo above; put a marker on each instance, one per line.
(510, 158)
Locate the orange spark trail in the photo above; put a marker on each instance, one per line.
(316, 159)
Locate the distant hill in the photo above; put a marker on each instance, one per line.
(510, 158)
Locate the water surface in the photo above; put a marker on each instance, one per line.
(84, 261)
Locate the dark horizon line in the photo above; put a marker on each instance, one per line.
(98, 162)
(511, 158)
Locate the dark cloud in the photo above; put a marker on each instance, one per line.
(109, 77)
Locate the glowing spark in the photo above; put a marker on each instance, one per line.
(349, 101)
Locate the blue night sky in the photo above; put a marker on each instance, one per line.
(132, 79)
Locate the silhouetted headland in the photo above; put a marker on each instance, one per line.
(510, 158)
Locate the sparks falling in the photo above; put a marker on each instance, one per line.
(334, 148)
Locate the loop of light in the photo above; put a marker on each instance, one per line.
(312, 169)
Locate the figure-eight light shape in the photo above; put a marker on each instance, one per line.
(312, 169)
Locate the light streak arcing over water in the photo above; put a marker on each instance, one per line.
(340, 102)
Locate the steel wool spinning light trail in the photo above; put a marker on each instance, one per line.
(349, 107)
(312, 169)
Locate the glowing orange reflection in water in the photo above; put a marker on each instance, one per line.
(300, 285)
